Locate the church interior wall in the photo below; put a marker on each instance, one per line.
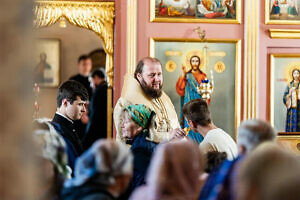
(147, 29)
(74, 42)
(269, 45)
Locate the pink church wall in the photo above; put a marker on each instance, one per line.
(267, 46)
(147, 29)
(120, 47)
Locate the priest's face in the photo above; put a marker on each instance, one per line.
(151, 79)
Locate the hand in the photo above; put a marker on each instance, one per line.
(291, 90)
(183, 70)
(177, 133)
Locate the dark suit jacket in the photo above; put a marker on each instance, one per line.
(67, 130)
(97, 126)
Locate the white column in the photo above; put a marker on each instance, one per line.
(251, 58)
(131, 35)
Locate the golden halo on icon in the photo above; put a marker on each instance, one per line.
(170, 66)
(288, 70)
(192, 53)
(219, 67)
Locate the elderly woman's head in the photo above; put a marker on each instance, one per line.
(175, 171)
(107, 163)
(136, 119)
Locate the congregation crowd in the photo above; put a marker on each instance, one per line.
(152, 156)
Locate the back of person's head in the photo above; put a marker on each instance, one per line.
(82, 57)
(141, 63)
(214, 159)
(51, 145)
(51, 158)
(70, 90)
(103, 163)
(253, 132)
(269, 172)
(174, 171)
(98, 73)
(197, 111)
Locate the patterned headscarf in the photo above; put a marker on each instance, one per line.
(141, 114)
(105, 160)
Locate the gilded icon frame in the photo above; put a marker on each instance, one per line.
(235, 87)
(198, 17)
(285, 17)
(280, 68)
(47, 72)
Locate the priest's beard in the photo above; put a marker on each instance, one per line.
(149, 91)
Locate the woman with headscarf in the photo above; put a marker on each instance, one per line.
(136, 122)
(174, 173)
(102, 172)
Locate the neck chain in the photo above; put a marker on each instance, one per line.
(163, 118)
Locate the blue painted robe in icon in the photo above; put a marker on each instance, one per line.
(186, 88)
(293, 108)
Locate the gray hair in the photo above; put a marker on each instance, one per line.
(253, 132)
(104, 161)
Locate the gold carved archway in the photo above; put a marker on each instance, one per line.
(95, 16)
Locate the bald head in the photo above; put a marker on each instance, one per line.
(142, 62)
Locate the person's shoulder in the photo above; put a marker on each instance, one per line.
(102, 87)
(206, 145)
(75, 77)
(219, 133)
(164, 96)
(215, 133)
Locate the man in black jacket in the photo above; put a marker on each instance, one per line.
(84, 68)
(97, 126)
(71, 99)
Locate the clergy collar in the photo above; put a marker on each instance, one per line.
(65, 117)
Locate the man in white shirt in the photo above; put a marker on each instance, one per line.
(198, 116)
